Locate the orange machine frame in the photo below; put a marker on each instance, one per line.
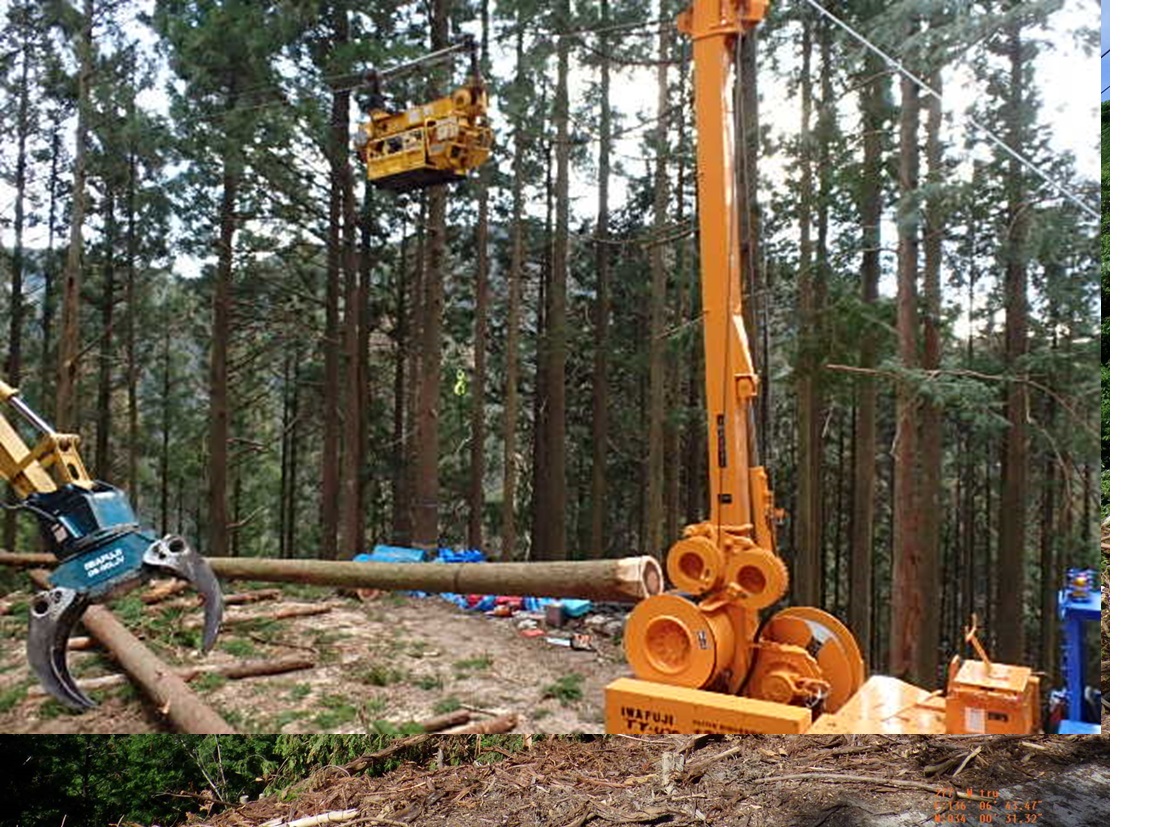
(704, 661)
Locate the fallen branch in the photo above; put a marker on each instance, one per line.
(695, 771)
(365, 761)
(313, 821)
(854, 750)
(280, 614)
(460, 716)
(163, 590)
(868, 779)
(967, 758)
(232, 671)
(505, 723)
(236, 599)
(694, 742)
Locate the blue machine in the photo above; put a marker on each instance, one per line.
(1079, 605)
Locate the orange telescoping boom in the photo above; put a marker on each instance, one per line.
(704, 659)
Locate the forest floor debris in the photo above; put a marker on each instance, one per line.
(380, 666)
(593, 781)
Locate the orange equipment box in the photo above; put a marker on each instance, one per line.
(638, 707)
(992, 698)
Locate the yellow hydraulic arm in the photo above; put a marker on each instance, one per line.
(53, 462)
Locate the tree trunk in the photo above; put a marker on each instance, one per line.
(931, 415)
(512, 343)
(675, 511)
(47, 365)
(68, 368)
(1013, 537)
(825, 128)
(355, 373)
(806, 570)
(132, 375)
(426, 528)
(366, 482)
(407, 286)
(219, 530)
(865, 467)
(333, 381)
(540, 380)
(480, 338)
(291, 395)
(166, 430)
(600, 366)
(555, 494)
(355, 378)
(654, 541)
(1049, 570)
(908, 603)
(107, 320)
(14, 366)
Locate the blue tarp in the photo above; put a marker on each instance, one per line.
(401, 554)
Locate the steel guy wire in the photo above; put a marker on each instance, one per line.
(899, 67)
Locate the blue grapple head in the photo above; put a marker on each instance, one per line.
(93, 530)
(103, 553)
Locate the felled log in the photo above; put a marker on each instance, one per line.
(626, 579)
(365, 761)
(442, 722)
(631, 578)
(166, 689)
(286, 613)
(163, 590)
(235, 599)
(314, 821)
(232, 671)
(504, 723)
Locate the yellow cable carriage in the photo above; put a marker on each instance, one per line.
(432, 143)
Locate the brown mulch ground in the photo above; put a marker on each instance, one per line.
(681, 780)
(386, 662)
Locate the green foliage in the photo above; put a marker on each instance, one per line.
(445, 705)
(382, 675)
(208, 682)
(300, 691)
(476, 664)
(392, 730)
(568, 690)
(336, 711)
(238, 647)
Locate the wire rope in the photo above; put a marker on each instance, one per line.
(899, 67)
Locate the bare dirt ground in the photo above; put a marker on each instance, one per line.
(379, 666)
(744, 781)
